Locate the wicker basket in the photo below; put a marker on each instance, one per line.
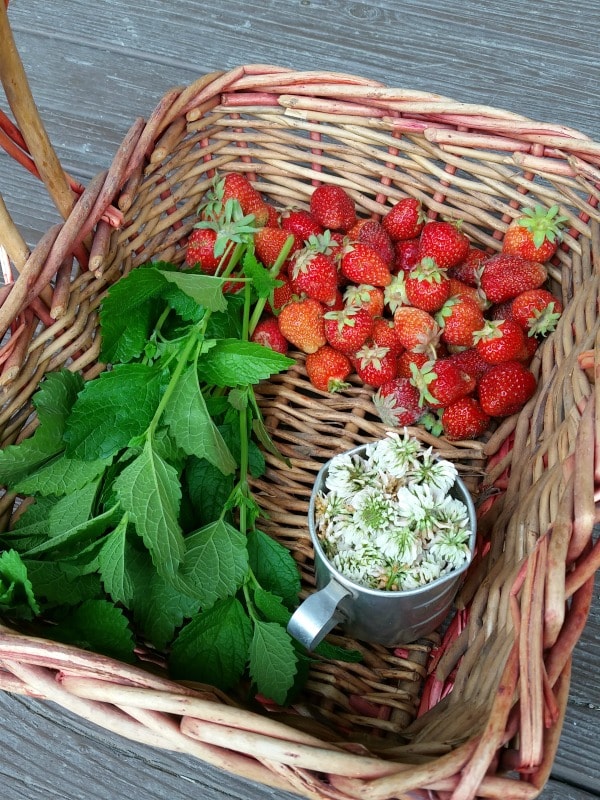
(476, 712)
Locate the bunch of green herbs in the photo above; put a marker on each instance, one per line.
(138, 524)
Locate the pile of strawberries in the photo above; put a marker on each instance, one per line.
(442, 331)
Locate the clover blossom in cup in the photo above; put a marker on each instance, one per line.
(387, 520)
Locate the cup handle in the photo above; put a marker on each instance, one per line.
(318, 614)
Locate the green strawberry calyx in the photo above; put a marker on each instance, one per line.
(543, 321)
(543, 224)
(427, 270)
(421, 378)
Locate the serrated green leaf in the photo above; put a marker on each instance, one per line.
(215, 563)
(111, 410)
(272, 660)
(274, 567)
(72, 511)
(99, 626)
(192, 426)
(208, 489)
(158, 607)
(262, 280)
(52, 586)
(62, 476)
(53, 401)
(34, 520)
(150, 491)
(271, 607)
(126, 315)
(182, 304)
(16, 591)
(231, 434)
(213, 647)
(206, 290)
(112, 566)
(232, 362)
(73, 539)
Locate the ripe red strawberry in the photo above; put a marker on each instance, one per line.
(471, 362)
(314, 274)
(384, 335)
(416, 329)
(464, 419)
(237, 186)
(505, 276)
(361, 264)
(348, 329)
(406, 255)
(200, 250)
(535, 234)
(441, 382)
(301, 322)
(468, 270)
(460, 289)
(397, 403)
(374, 234)
(499, 340)
(365, 296)
(300, 222)
(333, 207)
(328, 368)
(268, 334)
(281, 294)
(459, 318)
(444, 242)
(427, 286)
(269, 242)
(408, 357)
(405, 219)
(537, 311)
(375, 365)
(505, 388)
(530, 346)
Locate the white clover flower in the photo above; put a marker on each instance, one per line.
(417, 505)
(374, 511)
(396, 454)
(450, 546)
(400, 543)
(349, 474)
(363, 565)
(453, 513)
(438, 473)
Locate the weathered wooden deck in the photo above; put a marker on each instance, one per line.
(93, 67)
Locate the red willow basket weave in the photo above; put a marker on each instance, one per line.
(477, 712)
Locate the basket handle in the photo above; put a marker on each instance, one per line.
(20, 99)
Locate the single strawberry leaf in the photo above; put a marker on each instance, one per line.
(72, 511)
(215, 563)
(96, 625)
(111, 410)
(150, 491)
(236, 363)
(192, 426)
(274, 567)
(213, 648)
(272, 660)
(271, 607)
